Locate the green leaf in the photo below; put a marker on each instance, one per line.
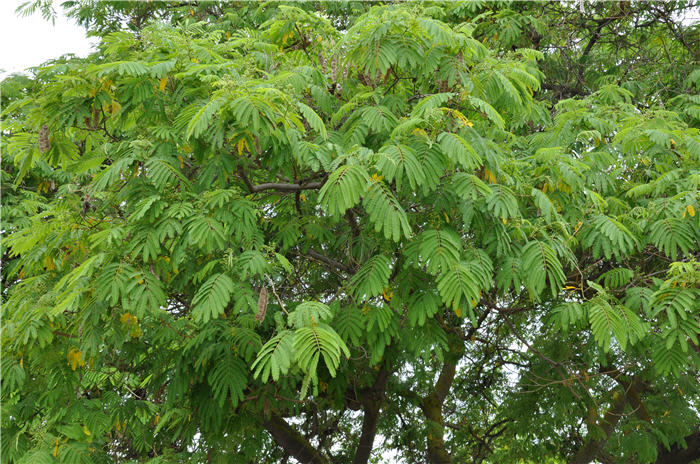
(203, 117)
(372, 278)
(212, 298)
(399, 163)
(540, 265)
(459, 287)
(343, 189)
(275, 357)
(459, 151)
(314, 120)
(309, 314)
(439, 249)
(386, 213)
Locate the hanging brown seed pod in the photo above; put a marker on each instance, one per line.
(322, 61)
(262, 305)
(95, 123)
(334, 68)
(44, 142)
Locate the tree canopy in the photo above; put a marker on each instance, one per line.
(352, 232)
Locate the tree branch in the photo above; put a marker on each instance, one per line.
(678, 455)
(590, 450)
(292, 441)
(278, 186)
(372, 402)
(432, 404)
(329, 261)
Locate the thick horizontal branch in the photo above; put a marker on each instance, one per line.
(330, 261)
(278, 186)
(283, 187)
(292, 441)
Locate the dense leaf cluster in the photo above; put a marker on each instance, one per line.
(342, 232)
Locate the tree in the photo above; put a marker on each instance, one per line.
(354, 232)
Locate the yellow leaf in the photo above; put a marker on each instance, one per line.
(302, 197)
(458, 312)
(75, 358)
(673, 143)
(115, 106)
(163, 83)
(690, 209)
(86, 431)
(241, 145)
(54, 453)
(419, 131)
(447, 218)
(489, 176)
(195, 60)
(49, 264)
(228, 35)
(388, 294)
(21, 363)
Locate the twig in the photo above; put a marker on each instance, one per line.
(274, 292)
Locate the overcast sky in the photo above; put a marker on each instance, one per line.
(29, 41)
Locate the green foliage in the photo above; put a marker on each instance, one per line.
(253, 232)
(211, 299)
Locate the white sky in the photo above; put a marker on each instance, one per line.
(32, 40)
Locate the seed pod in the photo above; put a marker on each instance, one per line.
(44, 142)
(322, 61)
(334, 68)
(95, 123)
(262, 305)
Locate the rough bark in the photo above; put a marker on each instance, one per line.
(372, 402)
(292, 441)
(432, 404)
(678, 455)
(590, 450)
